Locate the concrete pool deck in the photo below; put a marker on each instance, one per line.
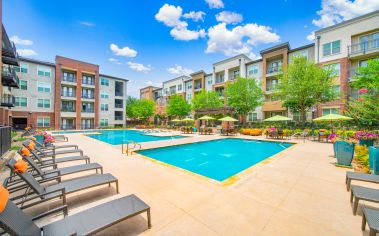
(300, 192)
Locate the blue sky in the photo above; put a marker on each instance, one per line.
(150, 41)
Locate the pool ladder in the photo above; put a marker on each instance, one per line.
(130, 147)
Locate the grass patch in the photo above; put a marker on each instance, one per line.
(15, 148)
(21, 139)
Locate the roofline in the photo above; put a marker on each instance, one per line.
(231, 58)
(302, 47)
(46, 63)
(157, 88)
(57, 56)
(343, 23)
(255, 61)
(276, 47)
(113, 77)
(176, 78)
(150, 86)
(197, 72)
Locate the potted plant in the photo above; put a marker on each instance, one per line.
(366, 138)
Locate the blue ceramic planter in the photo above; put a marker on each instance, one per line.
(367, 143)
(344, 152)
(373, 158)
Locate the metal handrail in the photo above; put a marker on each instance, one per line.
(129, 148)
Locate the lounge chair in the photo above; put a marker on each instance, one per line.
(363, 193)
(371, 216)
(59, 190)
(13, 184)
(52, 146)
(52, 152)
(28, 132)
(60, 138)
(51, 160)
(344, 152)
(360, 177)
(95, 219)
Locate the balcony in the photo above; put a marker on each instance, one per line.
(68, 109)
(91, 110)
(88, 96)
(69, 79)
(66, 127)
(220, 80)
(7, 100)
(272, 70)
(270, 88)
(87, 126)
(88, 83)
(9, 77)
(118, 118)
(364, 48)
(116, 105)
(9, 53)
(68, 94)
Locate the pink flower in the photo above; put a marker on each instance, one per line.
(362, 91)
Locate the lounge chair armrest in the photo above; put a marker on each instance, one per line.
(52, 211)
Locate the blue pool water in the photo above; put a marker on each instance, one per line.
(116, 137)
(218, 159)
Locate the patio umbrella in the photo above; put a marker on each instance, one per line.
(228, 119)
(331, 118)
(278, 118)
(176, 120)
(188, 120)
(206, 118)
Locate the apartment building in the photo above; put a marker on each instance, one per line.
(67, 94)
(346, 47)
(343, 47)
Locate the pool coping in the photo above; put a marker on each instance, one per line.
(230, 180)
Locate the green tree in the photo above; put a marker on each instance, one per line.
(368, 77)
(244, 95)
(143, 109)
(204, 100)
(177, 106)
(130, 102)
(305, 84)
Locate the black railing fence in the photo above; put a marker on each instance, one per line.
(5, 139)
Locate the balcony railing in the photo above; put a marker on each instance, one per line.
(68, 126)
(272, 69)
(88, 82)
(364, 47)
(68, 109)
(9, 77)
(7, 100)
(69, 79)
(10, 55)
(220, 80)
(87, 126)
(116, 105)
(88, 96)
(68, 94)
(119, 94)
(118, 118)
(88, 110)
(271, 87)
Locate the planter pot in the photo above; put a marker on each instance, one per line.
(39, 139)
(373, 158)
(344, 152)
(367, 143)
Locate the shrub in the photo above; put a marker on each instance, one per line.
(253, 132)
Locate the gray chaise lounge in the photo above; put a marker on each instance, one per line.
(53, 146)
(360, 177)
(53, 160)
(15, 222)
(371, 216)
(363, 193)
(57, 190)
(52, 152)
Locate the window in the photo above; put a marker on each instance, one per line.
(103, 122)
(189, 86)
(327, 111)
(69, 77)
(23, 84)
(335, 68)
(43, 71)
(44, 87)
(236, 73)
(43, 103)
(43, 121)
(253, 70)
(337, 91)
(180, 87)
(210, 81)
(189, 96)
(24, 68)
(166, 91)
(331, 48)
(104, 95)
(104, 107)
(21, 101)
(104, 81)
(16, 68)
(86, 79)
(253, 116)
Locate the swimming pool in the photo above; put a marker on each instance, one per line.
(116, 137)
(217, 159)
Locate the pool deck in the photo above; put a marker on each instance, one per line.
(299, 192)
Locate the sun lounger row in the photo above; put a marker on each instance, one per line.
(37, 178)
(370, 216)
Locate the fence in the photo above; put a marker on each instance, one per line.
(5, 139)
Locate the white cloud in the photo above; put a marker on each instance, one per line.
(195, 15)
(20, 41)
(311, 36)
(186, 34)
(336, 11)
(125, 51)
(139, 67)
(229, 17)
(239, 39)
(215, 4)
(170, 16)
(26, 52)
(114, 60)
(87, 23)
(179, 70)
(149, 83)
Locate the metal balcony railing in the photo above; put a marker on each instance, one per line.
(88, 110)
(119, 94)
(87, 126)
(88, 96)
(116, 105)
(118, 118)
(68, 94)
(272, 69)
(68, 109)
(88, 82)
(9, 77)
(220, 80)
(7, 100)
(68, 126)
(69, 79)
(363, 47)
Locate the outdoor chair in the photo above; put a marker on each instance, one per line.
(322, 136)
(95, 219)
(59, 190)
(362, 193)
(49, 153)
(360, 177)
(60, 138)
(28, 132)
(273, 134)
(370, 216)
(52, 146)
